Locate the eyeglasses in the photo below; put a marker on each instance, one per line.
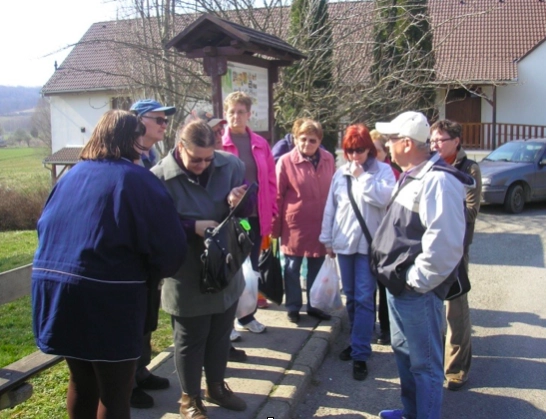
(159, 120)
(238, 113)
(440, 140)
(308, 140)
(197, 160)
(358, 150)
(219, 131)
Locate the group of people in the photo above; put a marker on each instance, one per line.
(123, 233)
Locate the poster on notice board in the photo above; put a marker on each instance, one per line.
(253, 81)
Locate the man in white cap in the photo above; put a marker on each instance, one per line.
(415, 253)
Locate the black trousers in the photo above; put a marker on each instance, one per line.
(382, 309)
(202, 341)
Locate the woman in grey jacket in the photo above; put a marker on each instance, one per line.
(204, 184)
(372, 183)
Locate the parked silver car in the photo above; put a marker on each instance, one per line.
(515, 173)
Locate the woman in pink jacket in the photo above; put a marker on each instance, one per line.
(255, 152)
(303, 177)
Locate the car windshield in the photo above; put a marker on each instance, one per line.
(516, 152)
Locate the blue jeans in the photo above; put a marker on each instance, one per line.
(359, 286)
(416, 338)
(292, 286)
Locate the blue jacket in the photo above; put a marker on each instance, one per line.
(108, 231)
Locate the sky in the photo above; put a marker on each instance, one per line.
(32, 31)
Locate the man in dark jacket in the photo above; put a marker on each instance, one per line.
(415, 252)
(445, 138)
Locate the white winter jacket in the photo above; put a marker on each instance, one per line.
(372, 191)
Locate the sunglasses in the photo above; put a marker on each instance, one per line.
(358, 150)
(159, 120)
(197, 160)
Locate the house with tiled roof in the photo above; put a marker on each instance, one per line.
(490, 57)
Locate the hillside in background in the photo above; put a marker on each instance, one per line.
(16, 99)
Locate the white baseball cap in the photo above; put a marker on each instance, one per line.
(408, 124)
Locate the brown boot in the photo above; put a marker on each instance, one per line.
(221, 394)
(192, 407)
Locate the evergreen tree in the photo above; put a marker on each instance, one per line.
(306, 87)
(402, 69)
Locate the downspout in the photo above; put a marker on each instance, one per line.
(494, 119)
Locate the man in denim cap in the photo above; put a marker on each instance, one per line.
(153, 116)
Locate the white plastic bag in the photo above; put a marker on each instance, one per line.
(249, 297)
(324, 293)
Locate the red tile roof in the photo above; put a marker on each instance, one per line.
(66, 155)
(476, 41)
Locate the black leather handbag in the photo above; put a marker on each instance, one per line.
(226, 248)
(271, 283)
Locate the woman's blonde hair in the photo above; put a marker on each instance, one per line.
(307, 126)
(237, 97)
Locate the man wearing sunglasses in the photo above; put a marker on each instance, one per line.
(153, 116)
(415, 253)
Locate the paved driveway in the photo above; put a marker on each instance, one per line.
(508, 308)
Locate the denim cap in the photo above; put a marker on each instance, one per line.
(149, 105)
(408, 124)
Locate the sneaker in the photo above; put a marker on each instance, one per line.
(254, 326)
(140, 399)
(221, 394)
(345, 354)
(237, 355)
(293, 316)
(360, 370)
(384, 338)
(234, 336)
(154, 382)
(392, 414)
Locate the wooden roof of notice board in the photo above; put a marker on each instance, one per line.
(65, 156)
(210, 35)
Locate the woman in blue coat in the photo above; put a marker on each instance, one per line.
(108, 233)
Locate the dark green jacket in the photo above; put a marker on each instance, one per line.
(181, 295)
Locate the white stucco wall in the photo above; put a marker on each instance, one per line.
(72, 112)
(525, 102)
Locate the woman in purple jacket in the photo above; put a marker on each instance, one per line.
(303, 179)
(108, 233)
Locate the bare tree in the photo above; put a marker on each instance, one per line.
(41, 122)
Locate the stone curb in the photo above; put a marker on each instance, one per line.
(285, 396)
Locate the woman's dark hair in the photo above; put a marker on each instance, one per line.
(197, 133)
(114, 137)
(358, 136)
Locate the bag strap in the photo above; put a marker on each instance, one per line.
(357, 212)
(242, 202)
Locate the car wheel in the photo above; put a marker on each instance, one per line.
(515, 199)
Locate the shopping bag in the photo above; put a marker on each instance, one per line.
(249, 297)
(271, 283)
(324, 293)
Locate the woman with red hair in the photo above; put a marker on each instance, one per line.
(371, 183)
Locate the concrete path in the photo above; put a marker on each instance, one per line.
(280, 364)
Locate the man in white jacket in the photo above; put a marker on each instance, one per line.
(416, 250)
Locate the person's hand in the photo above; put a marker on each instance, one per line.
(236, 194)
(330, 252)
(356, 169)
(202, 225)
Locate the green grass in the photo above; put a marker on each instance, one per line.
(17, 248)
(48, 399)
(21, 168)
